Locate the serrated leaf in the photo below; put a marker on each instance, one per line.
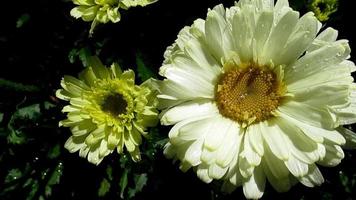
(104, 187)
(143, 71)
(31, 112)
(16, 137)
(19, 120)
(123, 183)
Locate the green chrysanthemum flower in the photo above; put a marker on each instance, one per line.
(323, 8)
(107, 111)
(103, 11)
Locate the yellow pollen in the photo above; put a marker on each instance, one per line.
(248, 95)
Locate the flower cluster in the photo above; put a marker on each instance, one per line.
(107, 111)
(103, 11)
(254, 92)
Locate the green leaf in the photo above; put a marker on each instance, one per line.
(47, 105)
(13, 175)
(109, 173)
(31, 112)
(54, 152)
(84, 56)
(54, 179)
(23, 19)
(140, 182)
(1, 117)
(143, 71)
(34, 189)
(17, 87)
(104, 187)
(21, 119)
(72, 55)
(123, 183)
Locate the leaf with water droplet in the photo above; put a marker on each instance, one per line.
(13, 175)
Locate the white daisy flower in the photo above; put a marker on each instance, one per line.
(255, 94)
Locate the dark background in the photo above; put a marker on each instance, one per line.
(50, 43)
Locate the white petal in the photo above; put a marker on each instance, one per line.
(251, 156)
(194, 130)
(324, 38)
(262, 31)
(208, 156)
(192, 78)
(254, 137)
(216, 132)
(198, 51)
(169, 151)
(254, 187)
(194, 152)
(346, 114)
(275, 166)
(296, 167)
(280, 4)
(277, 174)
(338, 76)
(72, 145)
(316, 61)
(171, 93)
(319, 117)
(301, 146)
(313, 178)
(350, 137)
(279, 36)
(216, 172)
(273, 137)
(218, 34)
(187, 110)
(334, 155)
(202, 173)
(93, 156)
(243, 27)
(232, 141)
(245, 168)
(304, 33)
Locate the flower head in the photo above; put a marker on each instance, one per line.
(107, 111)
(323, 8)
(255, 94)
(103, 11)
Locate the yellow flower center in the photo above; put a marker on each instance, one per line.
(248, 94)
(114, 104)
